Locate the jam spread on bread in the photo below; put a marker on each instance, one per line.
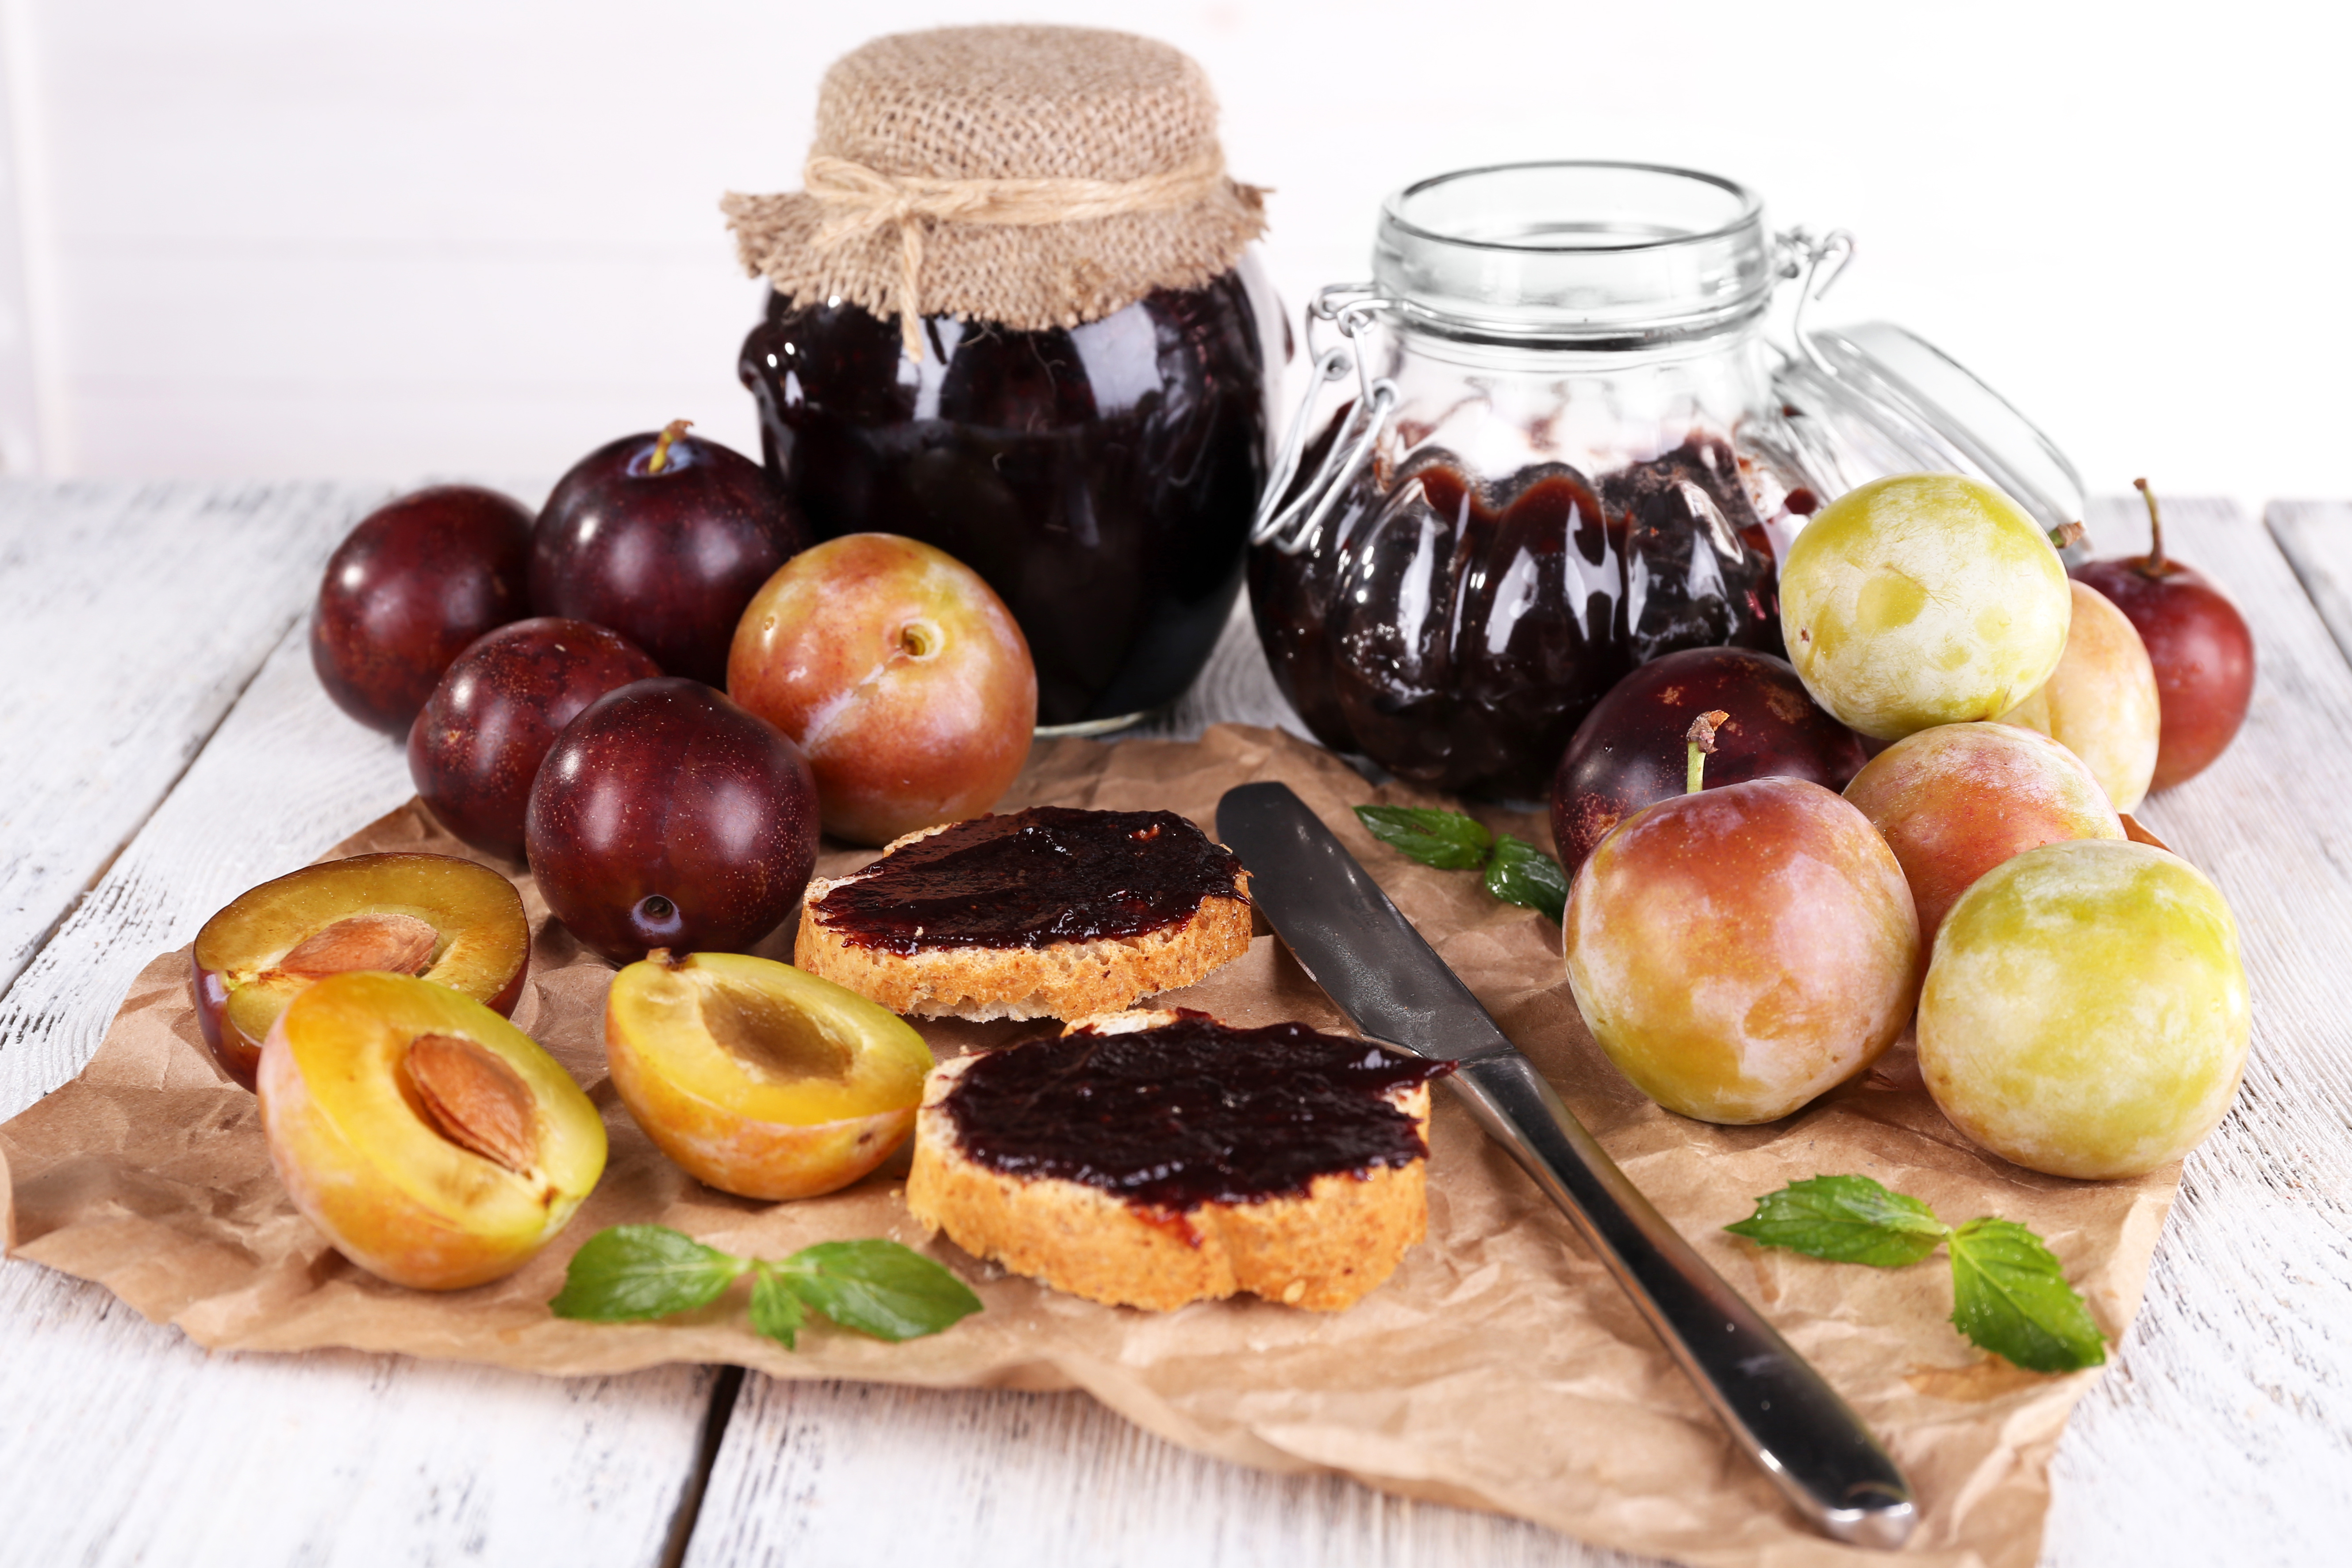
(1052, 873)
(1191, 1112)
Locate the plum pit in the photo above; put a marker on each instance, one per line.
(473, 1098)
(395, 943)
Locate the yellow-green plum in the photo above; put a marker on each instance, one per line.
(1922, 599)
(1739, 950)
(2085, 1013)
(2101, 701)
(1955, 801)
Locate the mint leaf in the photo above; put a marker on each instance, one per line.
(775, 1311)
(878, 1287)
(2010, 1297)
(1522, 873)
(641, 1271)
(1846, 1219)
(1445, 839)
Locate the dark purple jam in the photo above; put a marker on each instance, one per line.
(1457, 631)
(1052, 873)
(1100, 477)
(1191, 1112)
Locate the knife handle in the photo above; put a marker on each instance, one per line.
(1791, 1421)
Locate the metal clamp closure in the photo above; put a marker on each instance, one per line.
(1802, 256)
(1350, 307)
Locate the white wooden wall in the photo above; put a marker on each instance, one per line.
(346, 238)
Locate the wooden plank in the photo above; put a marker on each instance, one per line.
(27, 349)
(2224, 1433)
(144, 610)
(2316, 536)
(2220, 1435)
(120, 1442)
(283, 778)
(867, 1473)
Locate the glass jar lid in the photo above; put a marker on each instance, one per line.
(1593, 255)
(1875, 398)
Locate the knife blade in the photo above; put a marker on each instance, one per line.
(1356, 944)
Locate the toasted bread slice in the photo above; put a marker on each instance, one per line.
(1324, 1249)
(1057, 980)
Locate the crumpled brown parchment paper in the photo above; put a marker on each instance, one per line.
(1500, 1368)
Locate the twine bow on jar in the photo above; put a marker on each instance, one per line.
(857, 201)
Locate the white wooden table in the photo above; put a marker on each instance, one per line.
(163, 746)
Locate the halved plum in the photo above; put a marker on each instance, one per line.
(436, 1144)
(455, 923)
(759, 1079)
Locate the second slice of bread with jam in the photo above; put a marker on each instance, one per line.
(1052, 912)
(1155, 1159)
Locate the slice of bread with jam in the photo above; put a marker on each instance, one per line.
(1155, 1159)
(1052, 912)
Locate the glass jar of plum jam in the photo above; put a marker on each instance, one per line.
(1100, 477)
(1559, 443)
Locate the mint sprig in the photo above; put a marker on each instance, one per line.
(1521, 873)
(1445, 839)
(634, 1271)
(1516, 872)
(2010, 1295)
(1845, 1219)
(878, 1287)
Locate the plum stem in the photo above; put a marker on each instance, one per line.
(2154, 565)
(669, 432)
(1700, 737)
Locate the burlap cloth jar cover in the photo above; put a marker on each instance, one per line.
(1033, 176)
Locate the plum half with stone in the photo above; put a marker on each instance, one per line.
(477, 742)
(433, 1142)
(665, 816)
(2101, 702)
(1739, 952)
(900, 673)
(1922, 599)
(455, 923)
(2198, 643)
(1955, 801)
(760, 1080)
(2085, 1011)
(416, 582)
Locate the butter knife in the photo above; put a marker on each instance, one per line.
(1362, 950)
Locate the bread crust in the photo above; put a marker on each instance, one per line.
(1059, 980)
(1323, 1251)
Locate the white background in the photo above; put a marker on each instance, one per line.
(319, 238)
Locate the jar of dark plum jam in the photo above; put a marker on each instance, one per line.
(1556, 443)
(1101, 478)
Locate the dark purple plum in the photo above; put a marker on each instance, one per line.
(1630, 750)
(477, 742)
(664, 537)
(667, 816)
(415, 583)
(2199, 643)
